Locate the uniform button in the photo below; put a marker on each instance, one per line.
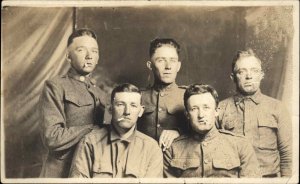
(162, 94)
(159, 109)
(204, 144)
(205, 161)
(81, 78)
(158, 125)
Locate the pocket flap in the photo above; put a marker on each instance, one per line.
(267, 121)
(102, 168)
(77, 100)
(226, 164)
(185, 163)
(174, 108)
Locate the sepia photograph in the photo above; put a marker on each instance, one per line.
(150, 91)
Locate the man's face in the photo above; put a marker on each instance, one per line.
(248, 75)
(164, 64)
(126, 108)
(83, 53)
(201, 112)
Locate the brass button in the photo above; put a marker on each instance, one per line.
(159, 109)
(162, 94)
(81, 78)
(158, 125)
(205, 161)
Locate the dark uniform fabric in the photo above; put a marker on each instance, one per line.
(104, 154)
(217, 154)
(266, 124)
(164, 110)
(70, 105)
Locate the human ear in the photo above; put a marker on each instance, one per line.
(141, 111)
(68, 57)
(149, 65)
(233, 77)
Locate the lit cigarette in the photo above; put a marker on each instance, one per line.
(120, 119)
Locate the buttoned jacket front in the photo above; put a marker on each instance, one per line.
(266, 124)
(94, 156)
(164, 110)
(218, 154)
(69, 106)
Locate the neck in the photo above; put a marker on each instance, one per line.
(161, 85)
(124, 133)
(205, 135)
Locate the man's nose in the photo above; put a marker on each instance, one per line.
(200, 114)
(248, 75)
(167, 65)
(126, 110)
(88, 54)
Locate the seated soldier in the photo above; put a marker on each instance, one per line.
(206, 151)
(119, 150)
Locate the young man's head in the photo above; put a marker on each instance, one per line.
(164, 60)
(247, 72)
(83, 51)
(126, 106)
(201, 102)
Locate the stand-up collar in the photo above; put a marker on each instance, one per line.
(256, 97)
(210, 135)
(81, 78)
(164, 87)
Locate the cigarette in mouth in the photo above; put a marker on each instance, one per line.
(120, 119)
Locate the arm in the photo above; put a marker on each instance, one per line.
(249, 163)
(167, 159)
(82, 161)
(155, 168)
(56, 135)
(285, 135)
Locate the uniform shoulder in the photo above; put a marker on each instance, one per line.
(269, 99)
(57, 80)
(98, 133)
(145, 137)
(226, 132)
(181, 138)
(182, 87)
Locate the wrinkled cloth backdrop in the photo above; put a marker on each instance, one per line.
(34, 43)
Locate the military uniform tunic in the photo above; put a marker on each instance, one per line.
(266, 124)
(217, 154)
(164, 110)
(70, 105)
(104, 154)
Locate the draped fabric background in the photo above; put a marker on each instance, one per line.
(34, 42)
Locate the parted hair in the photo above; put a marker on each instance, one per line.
(196, 89)
(242, 54)
(125, 87)
(159, 42)
(81, 32)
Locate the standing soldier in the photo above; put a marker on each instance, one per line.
(70, 105)
(261, 119)
(163, 118)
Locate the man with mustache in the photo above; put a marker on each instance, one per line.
(205, 151)
(119, 150)
(163, 118)
(71, 104)
(261, 119)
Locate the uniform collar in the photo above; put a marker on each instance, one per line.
(81, 78)
(163, 87)
(256, 97)
(210, 135)
(128, 137)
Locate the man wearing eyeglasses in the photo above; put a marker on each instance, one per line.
(261, 119)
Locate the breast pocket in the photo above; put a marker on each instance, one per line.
(226, 167)
(102, 171)
(267, 128)
(181, 166)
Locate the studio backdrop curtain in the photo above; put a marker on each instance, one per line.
(34, 45)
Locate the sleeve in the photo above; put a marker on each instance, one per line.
(155, 168)
(249, 164)
(167, 160)
(56, 136)
(285, 135)
(220, 110)
(82, 161)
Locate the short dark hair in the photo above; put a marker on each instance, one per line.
(81, 32)
(126, 87)
(242, 54)
(159, 42)
(196, 89)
